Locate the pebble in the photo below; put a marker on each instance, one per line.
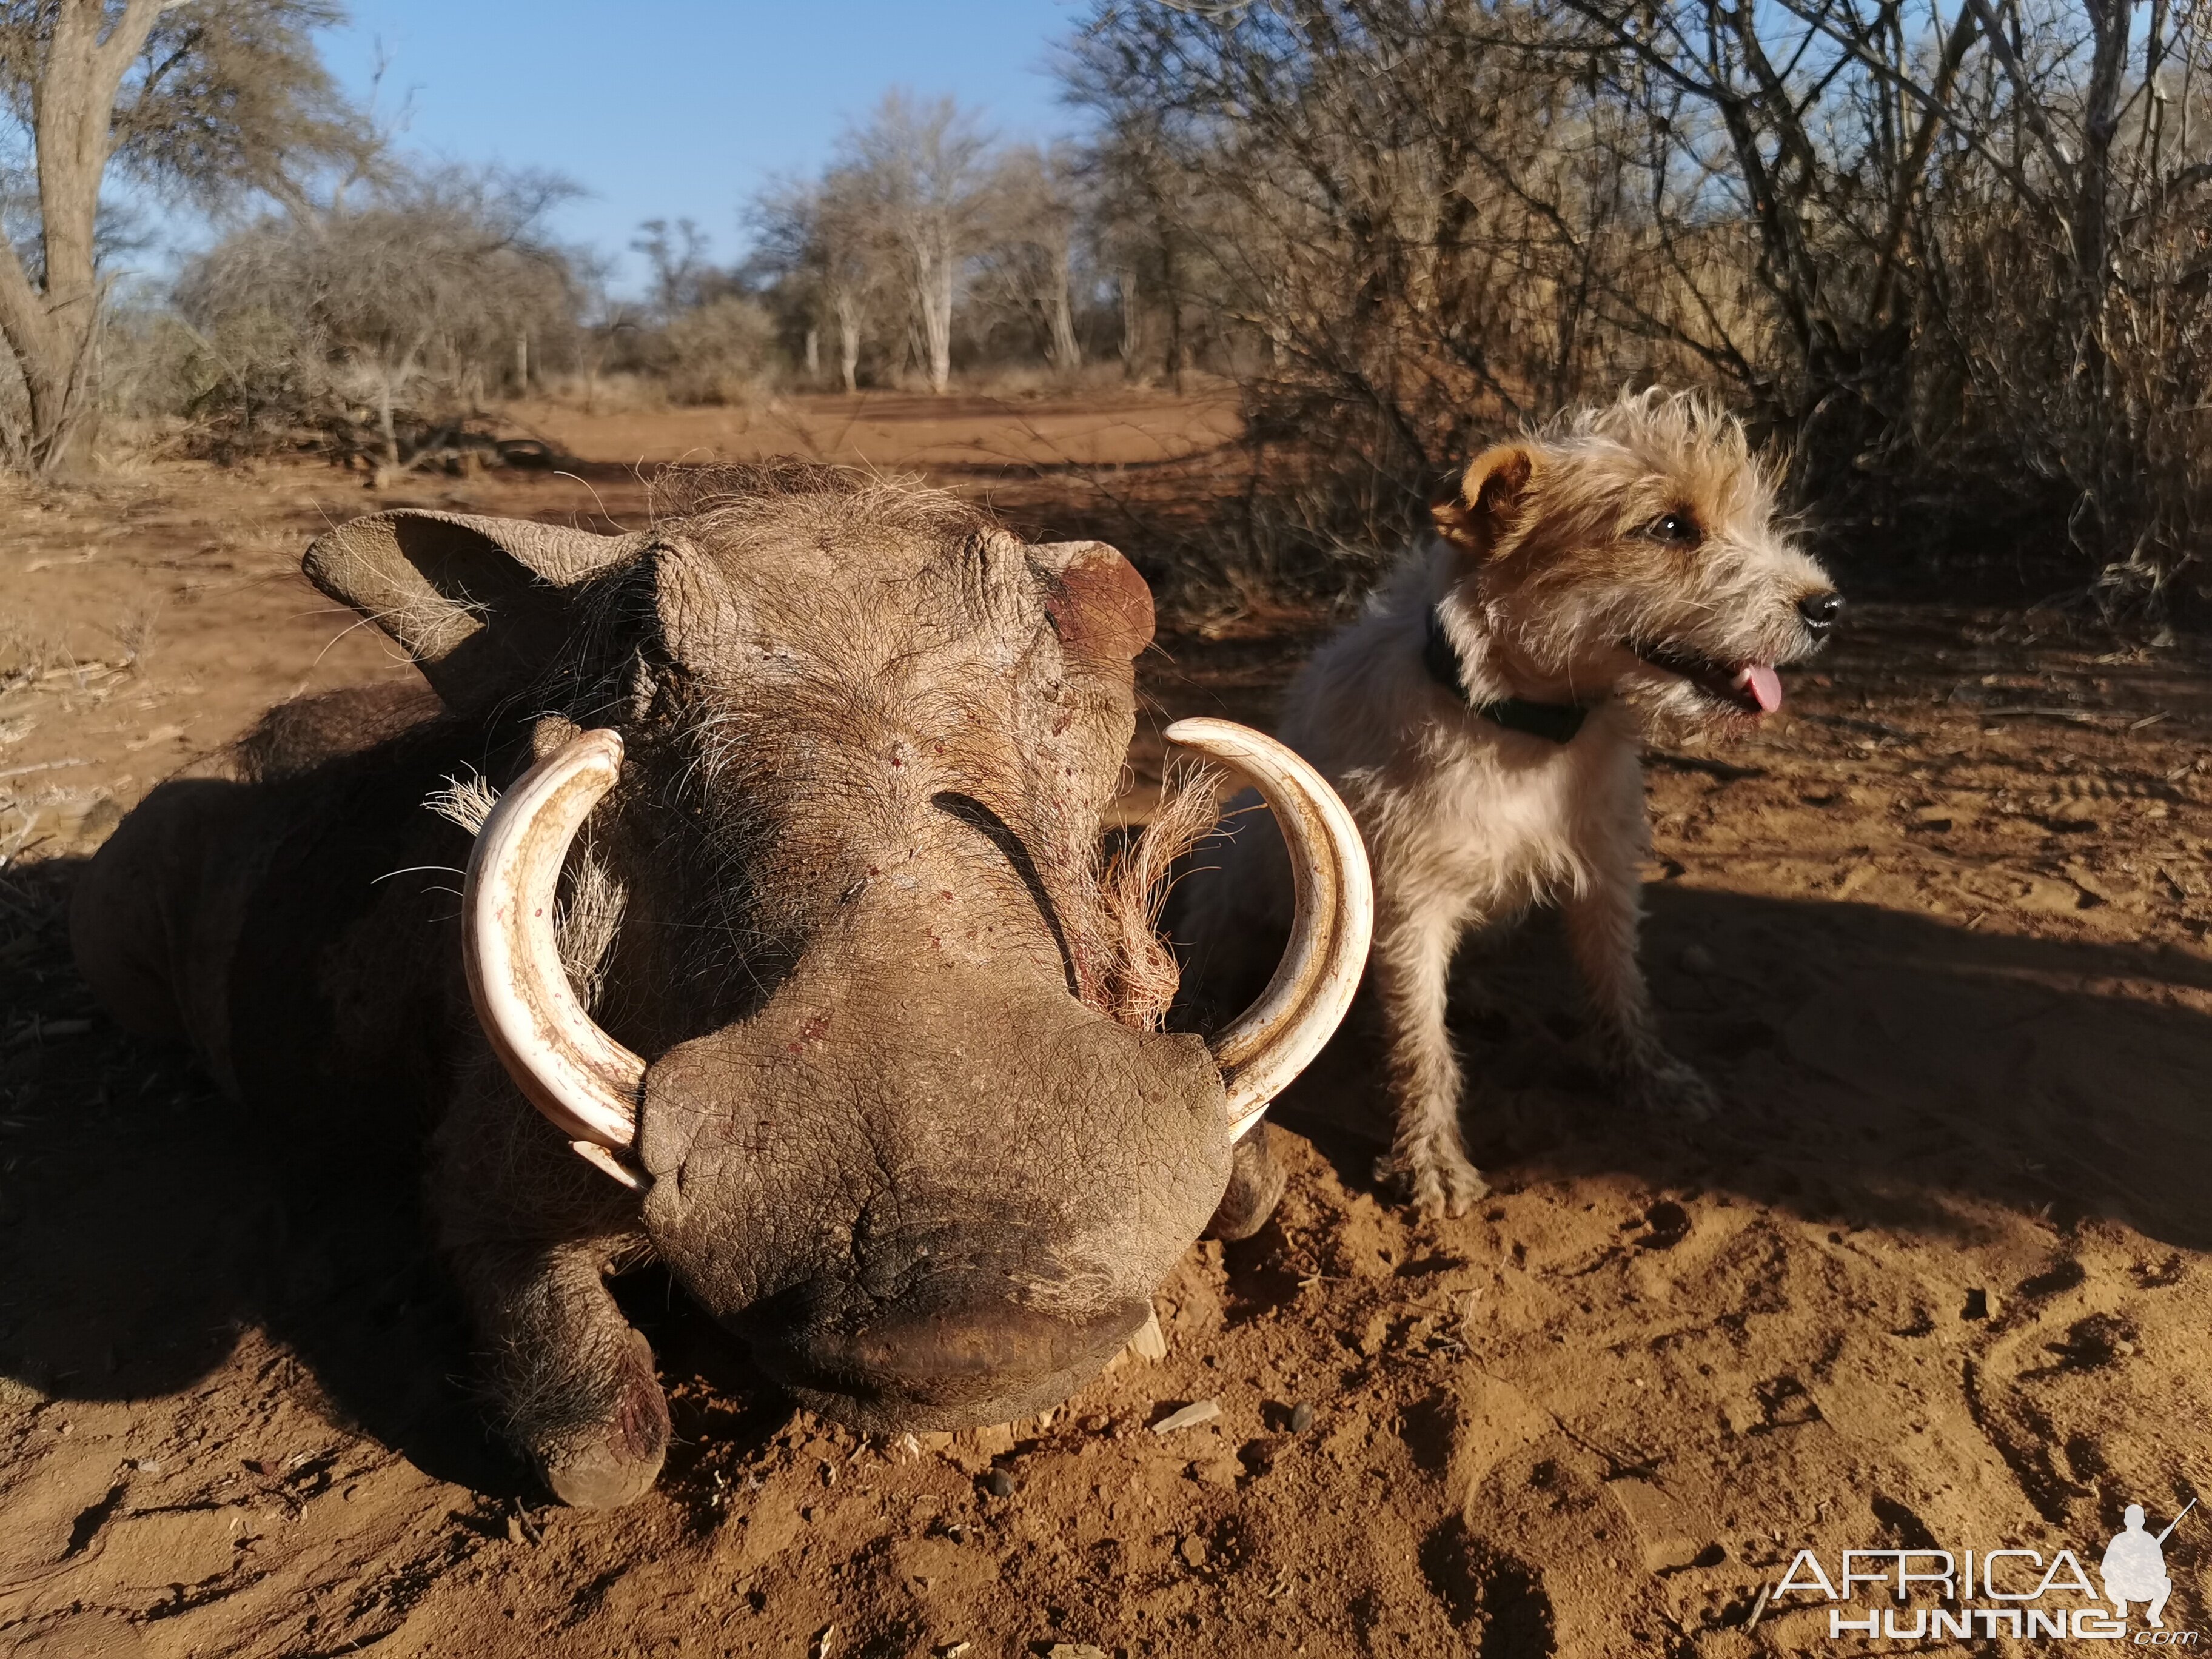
(1073, 1651)
(1301, 1417)
(1150, 1343)
(999, 1484)
(1193, 1550)
(1197, 1411)
(1224, 1471)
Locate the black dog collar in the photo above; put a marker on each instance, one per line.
(1557, 722)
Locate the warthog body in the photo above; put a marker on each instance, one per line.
(899, 1115)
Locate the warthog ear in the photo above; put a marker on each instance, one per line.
(1100, 606)
(478, 603)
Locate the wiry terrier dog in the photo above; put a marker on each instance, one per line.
(1482, 719)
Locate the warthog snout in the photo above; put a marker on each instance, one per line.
(929, 1200)
(953, 1350)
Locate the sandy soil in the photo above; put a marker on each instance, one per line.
(967, 433)
(1937, 1280)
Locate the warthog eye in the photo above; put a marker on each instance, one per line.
(1677, 529)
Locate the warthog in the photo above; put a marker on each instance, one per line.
(790, 918)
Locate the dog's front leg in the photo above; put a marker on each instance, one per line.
(1602, 925)
(1409, 967)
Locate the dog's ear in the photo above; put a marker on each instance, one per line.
(1476, 508)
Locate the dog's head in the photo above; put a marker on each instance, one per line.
(1638, 548)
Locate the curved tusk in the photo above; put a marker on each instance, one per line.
(572, 1072)
(1332, 922)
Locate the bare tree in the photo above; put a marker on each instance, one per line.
(916, 169)
(1885, 154)
(1035, 214)
(1927, 238)
(852, 272)
(684, 276)
(205, 98)
(412, 297)
(819, 244)
(1145, 210)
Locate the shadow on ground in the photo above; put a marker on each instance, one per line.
(1877, 1065)
(146, 1222)
(1880, 1067)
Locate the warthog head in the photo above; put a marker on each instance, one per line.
(800, 928)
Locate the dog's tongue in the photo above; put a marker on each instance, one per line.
(1764, 684)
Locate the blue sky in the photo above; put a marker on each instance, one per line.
(676, 108)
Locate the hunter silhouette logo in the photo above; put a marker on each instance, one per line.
(2134, 1568)
(2001, 1592)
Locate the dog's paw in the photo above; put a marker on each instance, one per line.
(1672, 1088)
(1437, 1179)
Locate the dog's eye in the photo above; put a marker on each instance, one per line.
(1677, 527)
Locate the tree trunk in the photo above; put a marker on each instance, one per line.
(848, 339)
(1066, 351)
(1131, 335)
(813, 355)
(51, 326)
(384, 421)
(1171, 293)
(522, 365)
(58, 384)
(936, 298)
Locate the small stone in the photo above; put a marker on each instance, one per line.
(994, 1440)
(1224, 1471)
(1302, 1416)
(999, 1484)
(1197, 1411)
(1192, 1550)
(1071, 1650)
(1150, 1343)
(1666, 1535)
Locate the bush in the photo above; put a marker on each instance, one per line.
(721, 352)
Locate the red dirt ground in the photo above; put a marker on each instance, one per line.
(1938, 1280)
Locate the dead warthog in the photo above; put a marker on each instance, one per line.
(790, 917)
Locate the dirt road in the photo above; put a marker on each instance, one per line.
(1938, 1280)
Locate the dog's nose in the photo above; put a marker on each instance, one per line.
(1820, 611)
